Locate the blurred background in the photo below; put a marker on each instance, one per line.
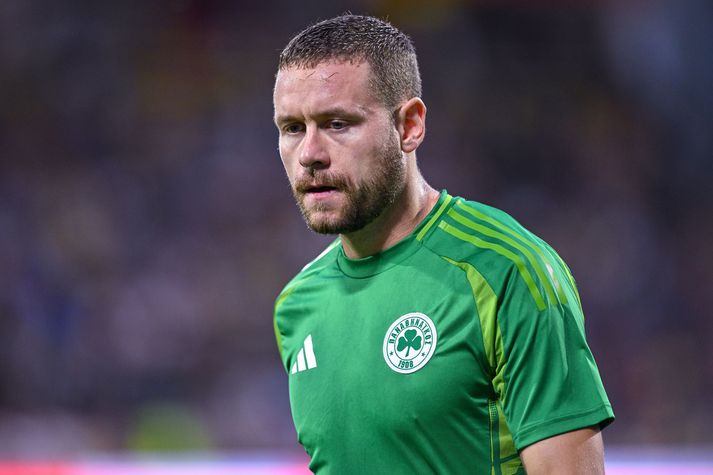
(146, 224)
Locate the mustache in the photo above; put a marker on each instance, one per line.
(321, 180)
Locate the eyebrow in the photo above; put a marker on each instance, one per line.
(331, 112)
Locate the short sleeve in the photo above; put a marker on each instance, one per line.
(549, 383)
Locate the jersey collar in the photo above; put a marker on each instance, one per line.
(394, 255)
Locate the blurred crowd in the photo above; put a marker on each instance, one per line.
(146, 224)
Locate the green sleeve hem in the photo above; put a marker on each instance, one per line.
(602, 415)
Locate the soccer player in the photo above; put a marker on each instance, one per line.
(435, 334)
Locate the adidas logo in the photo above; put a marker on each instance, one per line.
(306, 353)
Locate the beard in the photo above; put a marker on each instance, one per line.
(365, 201)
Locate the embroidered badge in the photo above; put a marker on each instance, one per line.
(410, 342)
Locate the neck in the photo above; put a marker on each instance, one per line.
(395, 223)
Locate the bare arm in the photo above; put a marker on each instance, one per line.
(577, 452)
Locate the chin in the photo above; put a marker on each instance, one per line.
(323, 223)
(328, 227)
(334, 227)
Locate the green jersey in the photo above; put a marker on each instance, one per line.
(446, 353)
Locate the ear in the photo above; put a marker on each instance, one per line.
(411, 124)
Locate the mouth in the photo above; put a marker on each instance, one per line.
(305, 187)
(319, 193)
(319, 189)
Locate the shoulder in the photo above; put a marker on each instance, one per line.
(489, 242)
(326, 258)
(475, 232)
(281, 320)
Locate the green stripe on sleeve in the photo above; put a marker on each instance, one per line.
(558, 273)
(498, 235)
(504, 456)
(570, 277)
(486, 302)
(494, 437)
(503, 227)
(517, 260)
(510, 463)
(434, 218)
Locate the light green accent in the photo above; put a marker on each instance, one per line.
(434, 218)
(571, 281)
(516, 235)
(517, 260)
(281, 298)
(498, 235)
(509, 458)
(556, 271)
(494, 438)
(512, 465)
(499, 378)
(486, 302)
(285, 293)
(501, 444)
(278, 338)
(556, 280)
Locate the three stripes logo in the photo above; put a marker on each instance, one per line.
(305, 357)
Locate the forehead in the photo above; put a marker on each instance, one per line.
(328, 84)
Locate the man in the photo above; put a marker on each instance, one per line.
(435, 335)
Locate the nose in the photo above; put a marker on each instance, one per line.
(313, 154)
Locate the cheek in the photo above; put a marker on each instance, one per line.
(370, 158)
(287, 161)
(290, 172)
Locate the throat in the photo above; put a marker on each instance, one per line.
(391, 227)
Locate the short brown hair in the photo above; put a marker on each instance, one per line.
(355, 38)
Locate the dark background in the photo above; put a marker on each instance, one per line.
(146, 224)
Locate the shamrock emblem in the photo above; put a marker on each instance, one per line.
(408, 341)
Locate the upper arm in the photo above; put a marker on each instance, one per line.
(551, 382)
(577, 452)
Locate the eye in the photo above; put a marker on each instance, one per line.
(294, 128)
(337, 124)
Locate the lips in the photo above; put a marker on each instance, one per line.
(322, 185)
(320, 189)
(321, 193)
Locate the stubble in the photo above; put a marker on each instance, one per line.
(365, 201)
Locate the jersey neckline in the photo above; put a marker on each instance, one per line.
(394, 255)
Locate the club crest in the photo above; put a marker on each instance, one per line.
(409, 343)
